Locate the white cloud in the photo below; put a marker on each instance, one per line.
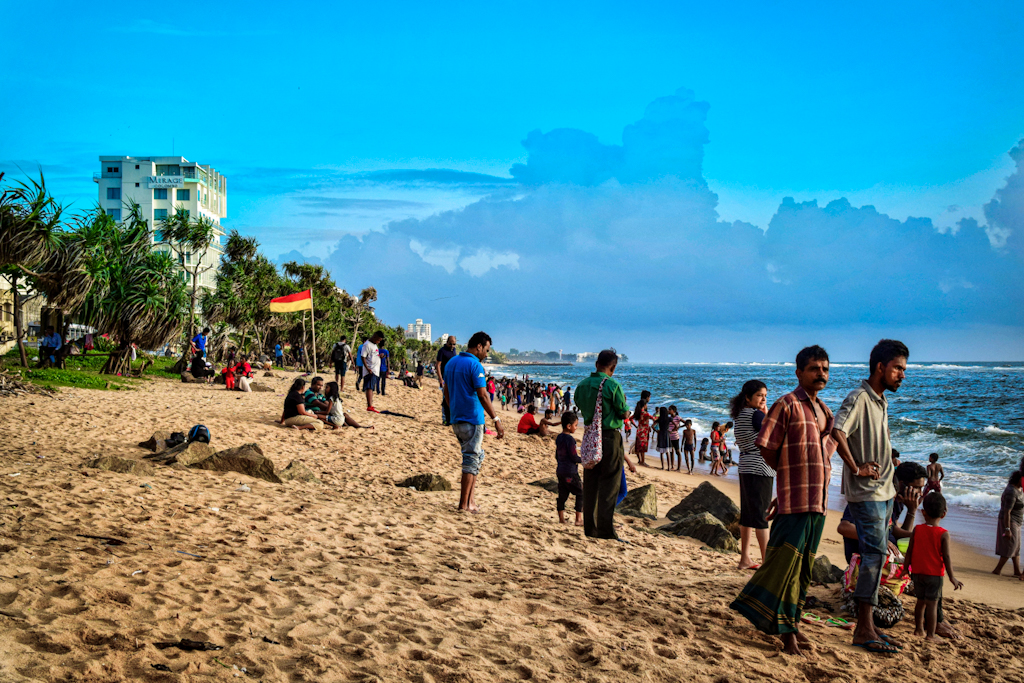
(485, 259)
(446, 258)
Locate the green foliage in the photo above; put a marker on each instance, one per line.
(54, 377)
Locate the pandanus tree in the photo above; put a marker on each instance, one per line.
(138, 296)
(246, 282)
(31, 255)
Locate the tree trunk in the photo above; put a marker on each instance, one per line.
(241, 341)
(119, 362)
(193, 297)
(19, 321)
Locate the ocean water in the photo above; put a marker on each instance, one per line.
(965, 412)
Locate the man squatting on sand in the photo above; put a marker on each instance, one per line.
(465, 395)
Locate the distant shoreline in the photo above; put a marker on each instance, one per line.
(535, 363)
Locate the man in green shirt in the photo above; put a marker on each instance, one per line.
(601, 483)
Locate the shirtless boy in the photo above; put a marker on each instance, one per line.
(935, 475)
(689, 444)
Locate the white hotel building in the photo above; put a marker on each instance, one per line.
(418, 330)
(161, 186)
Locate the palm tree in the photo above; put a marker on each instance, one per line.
(138, 296)
(190, 239)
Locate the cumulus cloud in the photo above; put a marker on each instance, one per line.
(631, 232)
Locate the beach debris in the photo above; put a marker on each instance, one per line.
(704, 527)
(276, 580)
(215, 509)
(161, 667)
(823, 571)
(108, 539)
(641, 502)
(137, 571)
(706, 498)
(157, 443)
(427, 482)
(247, 459)
(12, 384)
(190, 645)
(16, 474)
(268, 640)
(182, 552)
(269, 373)
(296, 471)
(114, 463)
(549, 484)
(244, 489)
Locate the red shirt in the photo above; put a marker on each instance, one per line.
(927, 556)
(527, 423)
(804, 465)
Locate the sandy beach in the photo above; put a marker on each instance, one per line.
(356, 579)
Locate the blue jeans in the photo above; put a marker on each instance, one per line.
(872, 521)
(471, 440)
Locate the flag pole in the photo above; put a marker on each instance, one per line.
(312, 323)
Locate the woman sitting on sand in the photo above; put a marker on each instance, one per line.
(336, 416)
(295, 414)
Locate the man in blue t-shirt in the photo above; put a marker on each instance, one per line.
(385, 367)
(465, 392)
(199, 341)
(279, 355)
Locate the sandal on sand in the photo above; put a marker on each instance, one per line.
(878, 647)
(890, 641)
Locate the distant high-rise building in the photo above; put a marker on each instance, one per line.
(161, 186)
(419, 330)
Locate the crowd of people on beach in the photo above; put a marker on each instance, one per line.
(784, 467)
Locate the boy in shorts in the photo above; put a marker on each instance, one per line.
(928, 560)
(689, 441)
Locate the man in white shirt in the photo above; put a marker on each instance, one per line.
(371, 368)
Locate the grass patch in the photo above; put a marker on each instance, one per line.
(83, 379)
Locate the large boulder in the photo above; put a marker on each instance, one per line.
(641, 502)
(823, 571)
(188, 378)
(156, 443)
(427, 482)
(113, 463)
(186, 454)
(219, 379)
(269, 373)
(549, 484)
(706, 498)
(247, 459)
(296, 471)
(704, 527)
(257, 386)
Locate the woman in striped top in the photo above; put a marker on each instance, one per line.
(756, 478)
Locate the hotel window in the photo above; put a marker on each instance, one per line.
(159, 214)
(136, 185)
(113, 193)
(115, 214)
(136, 167)
(182, 195)
(112, 169)
(159, 194)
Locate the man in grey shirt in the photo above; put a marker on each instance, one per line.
(861, 432)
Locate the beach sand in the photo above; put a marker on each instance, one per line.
(355, 579)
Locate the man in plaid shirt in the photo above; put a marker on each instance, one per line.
(795, 440)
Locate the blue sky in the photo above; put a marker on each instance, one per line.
(579, 175)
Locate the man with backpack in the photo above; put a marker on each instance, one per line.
(341, 354)
(602, 481)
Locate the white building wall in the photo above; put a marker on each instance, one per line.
(205, 187)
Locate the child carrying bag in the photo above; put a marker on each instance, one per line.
(590, 449)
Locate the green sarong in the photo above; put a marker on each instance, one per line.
(773, 599)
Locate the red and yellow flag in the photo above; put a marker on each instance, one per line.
(300, 301)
